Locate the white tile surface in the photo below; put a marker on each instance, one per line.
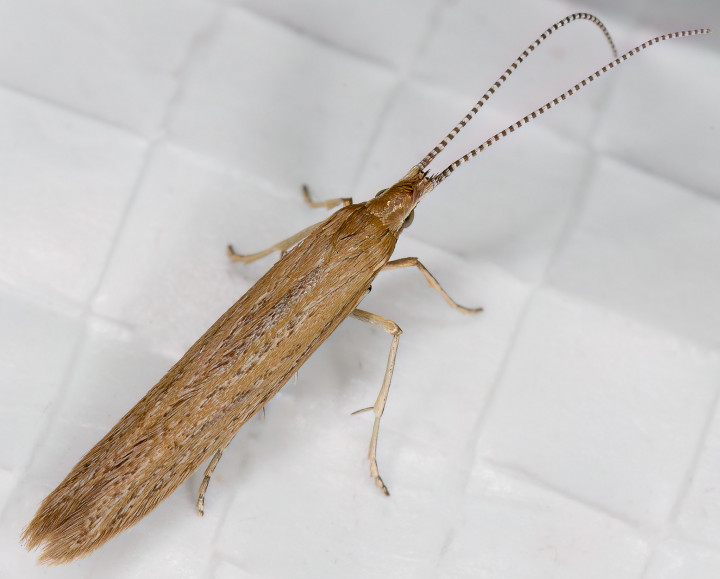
(678, 559)
(226, 570)
(388, 32)
(113, 59)
(38, 344)
(699, 516)
(616, 412)
(511, 527)
(647, 247)
(571, 430)
(294, 97)
(66, 183)
(673, 123)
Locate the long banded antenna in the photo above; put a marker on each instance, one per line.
(504, 76)
(439, 177)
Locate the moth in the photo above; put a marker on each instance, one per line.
(230, 373)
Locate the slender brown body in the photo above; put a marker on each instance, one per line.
(241, 362)
(252, 350)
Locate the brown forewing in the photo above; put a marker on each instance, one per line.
(226, 377)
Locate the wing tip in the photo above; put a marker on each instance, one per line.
(57, 538)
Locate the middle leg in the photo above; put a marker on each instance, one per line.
(391, 328)
(432, 282)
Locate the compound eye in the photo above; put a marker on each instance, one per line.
(408, 220)
(380, 192)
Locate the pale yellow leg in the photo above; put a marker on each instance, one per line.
(286, 244)
(415, 262)
(202, 491)
(283, 245)
(200, 505)
(391, 328)
(328, 204)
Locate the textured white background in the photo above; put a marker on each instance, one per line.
(571, 430)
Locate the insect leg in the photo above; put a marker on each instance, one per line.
(200, 505)
(414, 261)
(391, 328)
(328, 204)
(286, 244)
(279, 246)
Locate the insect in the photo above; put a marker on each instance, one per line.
(191, 415)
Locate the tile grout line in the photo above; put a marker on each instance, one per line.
(670, 524)
(400, 81)
(634, 22)
(540, 483)
(487, 406)
(488, 403)
(154, 143)
(653, 540)
(307, 34)
(53, 403)
(85, 311)
(403, 75)
(67, 108)
(574, 211)
(570, 222)
(653, 173)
